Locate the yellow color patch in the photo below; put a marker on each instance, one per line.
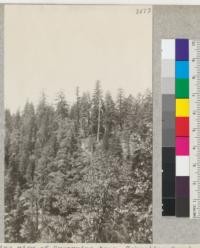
(182, 107)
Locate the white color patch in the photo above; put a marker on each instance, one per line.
(168, 49)
(182, 165)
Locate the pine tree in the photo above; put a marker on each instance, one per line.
(120, 108)
(7, 140)
(62, 108)
(97, 112)
(28, 135)
(45, 117)
(77, 109)
(85, 105)
(109, 120)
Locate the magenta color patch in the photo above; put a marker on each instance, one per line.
(182, 146)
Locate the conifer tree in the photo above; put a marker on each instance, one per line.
(97, 112)
(120, 108)
(109, 120)
(61, 186)
(62, 108)
(85, 105)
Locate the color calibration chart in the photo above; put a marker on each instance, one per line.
(180, 84)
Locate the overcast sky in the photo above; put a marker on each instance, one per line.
(52, 48)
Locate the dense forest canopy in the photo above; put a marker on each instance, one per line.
(80, 172)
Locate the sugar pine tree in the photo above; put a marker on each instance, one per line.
(78, 110)
(97, 112)
(120, 108)
(7, 140)
(28, 138)
(109, 120)
(62, 108)
(85, 105)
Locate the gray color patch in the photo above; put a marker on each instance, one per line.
(168, 103)
(168, 68)
(169, 22)
(168, 120)
(168, 137)
(168, 86)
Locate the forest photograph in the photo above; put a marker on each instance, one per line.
(78, 124)
(80, 173)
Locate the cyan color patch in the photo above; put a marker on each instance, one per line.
(182, 69)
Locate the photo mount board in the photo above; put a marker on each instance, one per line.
(169, 22)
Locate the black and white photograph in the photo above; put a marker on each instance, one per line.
(78, 123)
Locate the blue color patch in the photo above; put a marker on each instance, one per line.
(182, 69)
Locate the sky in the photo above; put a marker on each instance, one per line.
(49, 48)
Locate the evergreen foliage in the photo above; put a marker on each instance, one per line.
(80, 173)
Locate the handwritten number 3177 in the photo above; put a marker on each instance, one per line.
(143, 11)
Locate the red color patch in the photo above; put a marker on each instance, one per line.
(182, 126)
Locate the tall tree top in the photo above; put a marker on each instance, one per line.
(97, 95)
(62, 107)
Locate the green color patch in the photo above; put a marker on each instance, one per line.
(182, 88)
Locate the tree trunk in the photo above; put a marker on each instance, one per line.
(98, 124)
